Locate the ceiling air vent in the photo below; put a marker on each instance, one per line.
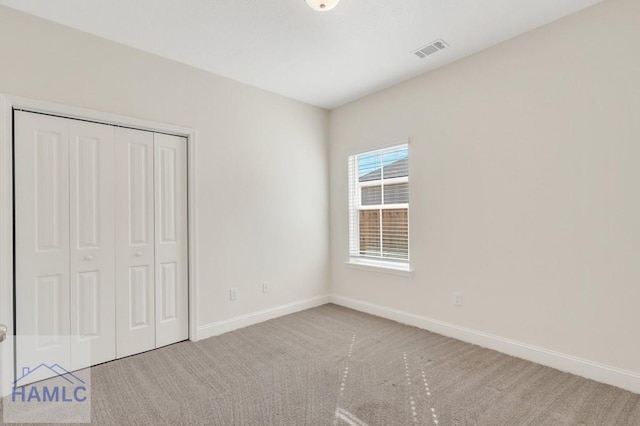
(430, 48)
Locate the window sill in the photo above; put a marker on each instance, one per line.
(400, 269)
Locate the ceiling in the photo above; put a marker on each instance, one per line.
(321, 58)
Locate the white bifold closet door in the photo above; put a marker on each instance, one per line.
(101, 241)
(151, 241)
(65, 255)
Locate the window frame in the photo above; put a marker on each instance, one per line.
(355, 206)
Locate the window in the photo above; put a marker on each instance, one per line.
(379, 207)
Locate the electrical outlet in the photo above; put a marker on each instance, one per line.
(233, 294)
(457, 298)
(265, 287)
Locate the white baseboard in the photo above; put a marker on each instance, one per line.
(581, 367)
(224, 326)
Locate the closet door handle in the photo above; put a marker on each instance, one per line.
(88, 257)
(139, 253)
(3, 332)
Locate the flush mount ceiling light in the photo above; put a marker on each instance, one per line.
(322, 5)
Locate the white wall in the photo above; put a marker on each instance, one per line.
(252, 214)
(525, 188)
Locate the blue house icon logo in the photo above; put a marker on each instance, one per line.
(68, 388)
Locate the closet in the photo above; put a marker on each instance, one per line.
(100, 241)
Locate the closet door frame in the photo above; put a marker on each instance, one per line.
(9, 103)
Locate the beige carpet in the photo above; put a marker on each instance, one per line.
(335, 366)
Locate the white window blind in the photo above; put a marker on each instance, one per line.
(379, 205)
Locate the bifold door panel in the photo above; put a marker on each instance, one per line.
(91, 190)
(135, 309)
(42, 240)
(171, 239)
(101, 241)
